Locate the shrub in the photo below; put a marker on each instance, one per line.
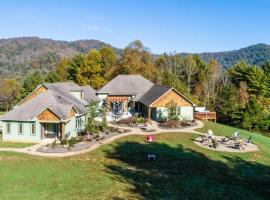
(185, 123)
(79, 138)
(64, 141)
(139, 120)
(72, 142)
(127, 121)
(170, 124)
(54, 144)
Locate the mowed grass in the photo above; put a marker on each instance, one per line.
(120, 170)
(13, 144)
(2, 112)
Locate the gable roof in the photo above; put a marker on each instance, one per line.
(127, 85)
(57, 98)
(89, 94)
(156, 92)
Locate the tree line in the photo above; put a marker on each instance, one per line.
(239, 95)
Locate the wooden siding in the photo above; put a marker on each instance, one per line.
(34, 94)
(71, 113)
(47, 115)
(169, 97)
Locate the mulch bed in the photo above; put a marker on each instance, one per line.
(174, 124)
(78, 146)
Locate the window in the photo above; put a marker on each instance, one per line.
(8, 128)
(79, 122)
(20, 129)
(33, 129)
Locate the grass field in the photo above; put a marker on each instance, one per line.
(1, 113)
(120, 171)
(13, 144)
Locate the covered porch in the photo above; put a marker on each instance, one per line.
(52, 130)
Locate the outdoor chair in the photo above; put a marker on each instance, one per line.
(210, 134)
(235, 136)
(151, 156)
(247, 140)
(204, 139)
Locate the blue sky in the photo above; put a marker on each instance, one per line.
(162, 25)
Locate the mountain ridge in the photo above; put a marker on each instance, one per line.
(22, 54)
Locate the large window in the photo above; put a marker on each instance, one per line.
(79, 122)
(20, 129)
(8, 128)
(33, 129)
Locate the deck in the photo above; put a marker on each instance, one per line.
(206, 116)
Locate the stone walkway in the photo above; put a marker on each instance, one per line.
(134, 131)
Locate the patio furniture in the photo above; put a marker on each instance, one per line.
(247, 140)
(214, 143)
(210, 134)
(239, 145)
(204, 139)
(235, 136)
(151, 156)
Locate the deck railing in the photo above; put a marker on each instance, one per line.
(206, 116)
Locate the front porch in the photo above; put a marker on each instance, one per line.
(52, 130)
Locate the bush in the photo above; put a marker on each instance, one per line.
(72, 142)
(185, 123)
(80, 138)
(127, 121)
(64, 141)
(139, 120)
(171, 124)
(54, 144)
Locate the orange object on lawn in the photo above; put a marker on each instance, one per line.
(150, 138)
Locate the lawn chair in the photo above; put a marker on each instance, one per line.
(247, 140)
(204, 139)
(235, 135)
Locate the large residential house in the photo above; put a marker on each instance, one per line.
(130, 94)
(59, 109)
(51, 110)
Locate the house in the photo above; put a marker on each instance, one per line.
(129, 94)
(51, 110)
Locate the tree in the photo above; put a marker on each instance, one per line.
(63, 69)
(31, 82)
(108, 57)
(190, 69)
(136, 60)
(91, 124)
(173, 113)
(9, 91)
(53, 77)
(76, 62)
(91, 72)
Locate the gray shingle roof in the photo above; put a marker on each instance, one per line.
(89, 94)
(127, 85)
(153, 94)
(57, 98)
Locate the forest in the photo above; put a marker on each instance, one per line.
(239, 94)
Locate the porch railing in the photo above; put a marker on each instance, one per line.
(212, 116)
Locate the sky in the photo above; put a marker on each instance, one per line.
(162, 25)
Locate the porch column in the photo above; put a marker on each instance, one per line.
(62, 130)
(149, 113)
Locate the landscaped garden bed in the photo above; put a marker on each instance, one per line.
(176, 124)
(83, 141)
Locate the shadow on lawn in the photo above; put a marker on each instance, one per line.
(180, 173)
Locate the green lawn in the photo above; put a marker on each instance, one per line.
(120, 171)
(13, 144)
(2, 112)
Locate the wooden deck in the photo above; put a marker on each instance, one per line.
(205, 116)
